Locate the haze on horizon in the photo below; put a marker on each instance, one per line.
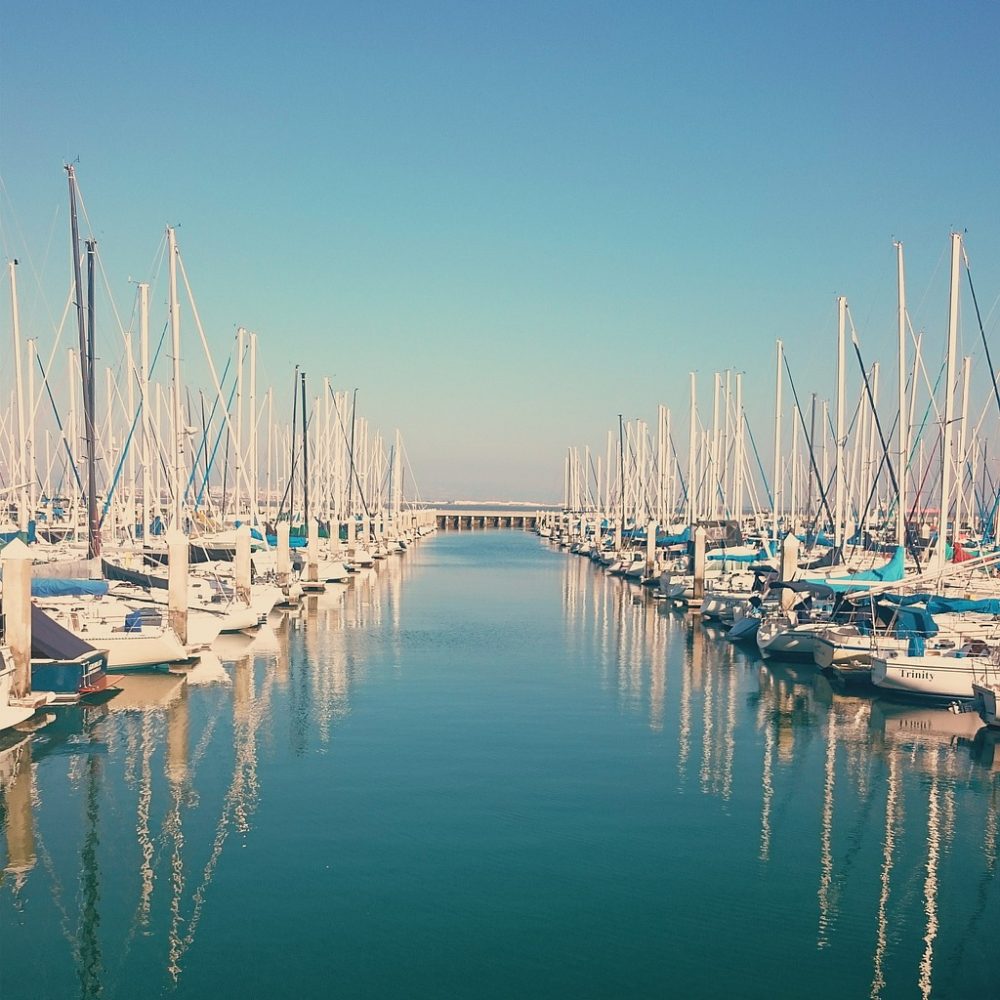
(507, 225)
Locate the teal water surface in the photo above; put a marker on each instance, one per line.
(486, 769)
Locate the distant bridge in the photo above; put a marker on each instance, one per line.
(466, 519)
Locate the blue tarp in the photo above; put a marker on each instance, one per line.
(721, 555)
(822, 538)
(28, 536)
(887, 573)
(294, 541)
(943, 605)
(663, 539)
(45, 587)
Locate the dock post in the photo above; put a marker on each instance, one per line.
(312, 552)
(241, 566)
(16, 561)
(284, 557)
(177, 583)
(698, 584)
(650, 548)
(789, 567)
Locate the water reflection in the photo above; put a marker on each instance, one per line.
(898, 788)
(871, 827)
(141, 774)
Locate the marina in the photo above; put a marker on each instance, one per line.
(486, 767)
(499, 501)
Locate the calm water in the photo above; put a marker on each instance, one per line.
(490, 771)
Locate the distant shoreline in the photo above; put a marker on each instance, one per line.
(491, 505)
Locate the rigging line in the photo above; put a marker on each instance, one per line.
(124, 454)
(760, 466)
(680, 473)
(350, 451)
(885, 448)
(982, 332)
(291, 476)
(211, 420)
(918, 493)
(55, 413)
(809, 444)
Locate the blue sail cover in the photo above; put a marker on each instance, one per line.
(887, 573)
(820, 538)
(721, 555)
(663, 539)
(944, 605)
(28, 536)
(49, 587)
(294, 541)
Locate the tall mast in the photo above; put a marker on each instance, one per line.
(692, 511)
(903, 422)
(29, 440)
(777, 442)
(90, 403)
(838, 527)
(21, 466)
(240, 335)
(175, 338)
(738, 458)
(621, 470)
(949, 400)
(130, 369)
(714, 478)
(147, 453)
(305, 456)
(351, 475)
(253, 422)
(93, 545)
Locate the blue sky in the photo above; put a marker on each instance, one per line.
(506, 224)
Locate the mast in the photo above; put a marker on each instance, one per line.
(147, 454)
(738, 460)
(175, 337)
(962, 442)
(253, 422)
(93, 544)
(903, 422)
(291, 455)
(29, 440)
(777, 442)
(130, 368)
(305, 456)
(949, 403)
(90, 402)
(621, 470)
(692, 512)
(351, 472)
(240, 336)
(714, 478)
(21, 473)
(838, 527)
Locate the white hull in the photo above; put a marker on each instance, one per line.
(928, 676)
